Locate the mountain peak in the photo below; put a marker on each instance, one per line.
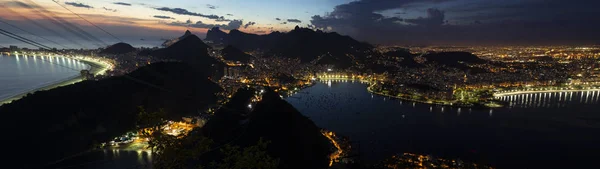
(175, 40)
(190, 49)
(215, 35)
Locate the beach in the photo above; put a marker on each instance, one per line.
(95, 68)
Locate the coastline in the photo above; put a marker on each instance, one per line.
(94, 68)
(402, 98)
(414, 100)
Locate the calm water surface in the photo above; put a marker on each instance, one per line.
(549, 130)
(539, 131)
(19, 74)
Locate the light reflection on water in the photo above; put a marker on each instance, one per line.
(22, 73)
(536, 129)
(552, 99)
(110, 159)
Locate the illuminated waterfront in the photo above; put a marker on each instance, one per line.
(503, 138)
(20, 74)
(552, 99)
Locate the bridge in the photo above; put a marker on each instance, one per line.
(544, 90)
(551, 99)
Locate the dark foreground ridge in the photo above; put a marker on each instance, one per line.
(294, 139)
(68, 120)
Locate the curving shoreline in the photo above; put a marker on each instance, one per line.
(95, 68)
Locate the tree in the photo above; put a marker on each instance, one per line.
(171, 152)
(253, 157)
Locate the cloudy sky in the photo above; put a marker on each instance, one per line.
(402, 22)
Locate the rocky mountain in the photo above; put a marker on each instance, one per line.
(302, 43)
(170, 42)
(189, 49)
(118, 48)
(231, 53)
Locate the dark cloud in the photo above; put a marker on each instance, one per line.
(434, 17)
(278, 19)
(229, 14)
(122, 3)
(108, 9)
(79, 5)
(294, 20)
(465, 21)
(234, 24)
(162, 17)
(211, 6)
(182, 11)
(283, 23)
(222, 19)
(249, 24)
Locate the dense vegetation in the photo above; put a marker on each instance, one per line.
(273, 135)
(67, 120)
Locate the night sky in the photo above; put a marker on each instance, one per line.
(401, 22)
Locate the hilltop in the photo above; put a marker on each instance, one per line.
(302, 43)
(294, 139)
(118, 48)
(191, 50)
(459, 60)
(231, 53)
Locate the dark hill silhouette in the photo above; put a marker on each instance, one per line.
(231, 53)
(67, 120)
(170, 42)
(294, 138)
(225, 124)
(118, 48)
(453, 57)
(456, 60)
(408, 59)
(302, 43)
(545, 59)
(215, 35)
(189, 49)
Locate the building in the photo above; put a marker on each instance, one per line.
(13, 48)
